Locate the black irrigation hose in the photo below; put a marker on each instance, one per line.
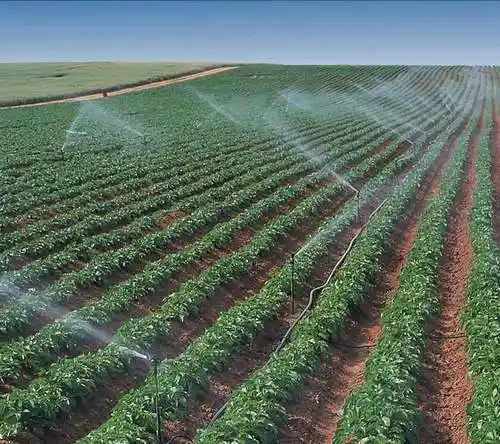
(311, 299)
(330, 276)
(445, 336)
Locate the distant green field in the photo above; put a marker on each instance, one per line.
(28, 82)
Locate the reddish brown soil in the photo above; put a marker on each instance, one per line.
(221, 385)
(495, 171)
(444, 389)
(169, 218)
(186, 332)
(315, 415)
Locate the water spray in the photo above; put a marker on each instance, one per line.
(383, 125)
(362, 88)
(80, 133)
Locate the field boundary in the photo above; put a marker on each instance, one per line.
(117, 90)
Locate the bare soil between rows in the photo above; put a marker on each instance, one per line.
(87, 418)
(444, 390)
(315, 415)
(495, 172)
(91, 416)
(221, 386)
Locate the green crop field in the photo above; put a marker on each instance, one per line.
(28, 82)
(293, 254)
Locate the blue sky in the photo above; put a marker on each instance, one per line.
(295, 32)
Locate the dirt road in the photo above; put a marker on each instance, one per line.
(129, 89)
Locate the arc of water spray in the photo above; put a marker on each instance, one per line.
(217, 108)
(395, 118)
(430, 121)
(393, 96)
(268, 110)
(93, 112)
(114, 119)
(379, 122)
(81, 133)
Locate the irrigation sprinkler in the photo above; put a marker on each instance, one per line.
(358, 200)
(159, 428)
(292, 284)
(359, 207)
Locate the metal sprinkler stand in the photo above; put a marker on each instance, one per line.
(292, 284)
(359, 207)
(159, 425)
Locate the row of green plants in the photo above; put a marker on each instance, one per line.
(122, 295)
(187, 375)
(43, 245)
(480, 319)
(256, 409)
(53, 241)
(49, 401)
(208, 176)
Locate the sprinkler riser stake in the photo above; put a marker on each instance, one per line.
(159, 428)
(292, 285)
